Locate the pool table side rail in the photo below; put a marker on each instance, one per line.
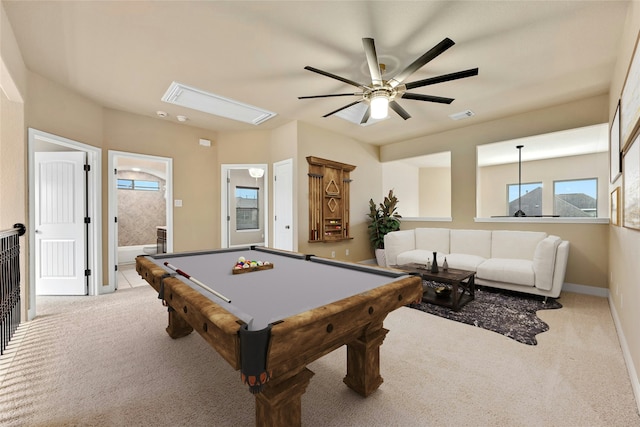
(215, 324)
(303, 338)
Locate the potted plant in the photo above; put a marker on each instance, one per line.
(383, 219)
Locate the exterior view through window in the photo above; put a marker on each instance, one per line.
(247, 212)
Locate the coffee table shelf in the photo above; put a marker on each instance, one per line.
(461, 282)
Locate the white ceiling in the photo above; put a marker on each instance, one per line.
(572, 142)
(124, 55)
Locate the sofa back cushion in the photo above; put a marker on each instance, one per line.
(397, 242)
(515, 244)
(471, 242)
(433, 239)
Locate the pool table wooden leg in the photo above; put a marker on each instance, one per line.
(363, 362)
(280, 403)
(178, 326)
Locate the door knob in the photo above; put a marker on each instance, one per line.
(287, 227)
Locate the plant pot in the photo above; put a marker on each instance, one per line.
(381, 258)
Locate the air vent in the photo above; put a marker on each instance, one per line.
(197, 99)
(462, 115)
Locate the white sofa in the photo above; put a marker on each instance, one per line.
(524, 261)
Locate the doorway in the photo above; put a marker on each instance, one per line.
(140, 208)
(60, 227)
(244, 205)
(40, 141)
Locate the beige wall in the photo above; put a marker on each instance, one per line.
(624, 243)
(52, 108)
(13, 73)
(13, 150)
(196, 172)
(13, 161)
(435, 192)
(404, 180)
(366, 184)
(421, 191)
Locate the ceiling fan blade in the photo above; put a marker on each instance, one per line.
(372, 61)
(366, 116)
(429, 98)
(420, 62)
(398, 109)
(333, 76)
(443, 78)
(342, 108)
(332, 95)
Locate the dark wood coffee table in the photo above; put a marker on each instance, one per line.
(461, 282)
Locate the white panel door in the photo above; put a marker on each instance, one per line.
(60, 244)
(283, 205)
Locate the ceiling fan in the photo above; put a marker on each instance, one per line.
(382, 94)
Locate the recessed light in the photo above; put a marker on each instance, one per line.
(182, 118)
(161, 114)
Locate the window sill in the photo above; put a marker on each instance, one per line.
(545, 220)
(426, 219)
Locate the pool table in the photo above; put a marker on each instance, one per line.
(270, 323)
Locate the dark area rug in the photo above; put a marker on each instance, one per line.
(508, 313)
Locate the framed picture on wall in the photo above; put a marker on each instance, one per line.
(615, 157)
(615, 207)
(630, 100)
(631, 185)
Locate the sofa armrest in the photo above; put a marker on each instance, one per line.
(397, 242)
(562, 257)
(544, 262)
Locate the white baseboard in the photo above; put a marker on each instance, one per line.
(628, 360)
(586, 290)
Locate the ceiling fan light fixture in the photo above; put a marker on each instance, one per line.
(379, 105)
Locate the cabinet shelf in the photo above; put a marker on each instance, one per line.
(328, 200)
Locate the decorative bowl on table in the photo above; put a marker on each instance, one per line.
(442, 291)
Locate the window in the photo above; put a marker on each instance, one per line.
(136, 184)
(247, 212)
(576, 198)
(564, 156)
(527, 198)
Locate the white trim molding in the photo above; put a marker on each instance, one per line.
(626, 354)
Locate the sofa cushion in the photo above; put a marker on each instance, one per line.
(544, 261)
(517, 271)
(472, 242)
(397, 242)
(419, 256)
(515, 244)
(433, 239)
(464, 261)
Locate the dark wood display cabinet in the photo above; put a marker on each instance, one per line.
(328, 200)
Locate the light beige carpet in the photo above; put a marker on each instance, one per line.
(107, 361)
